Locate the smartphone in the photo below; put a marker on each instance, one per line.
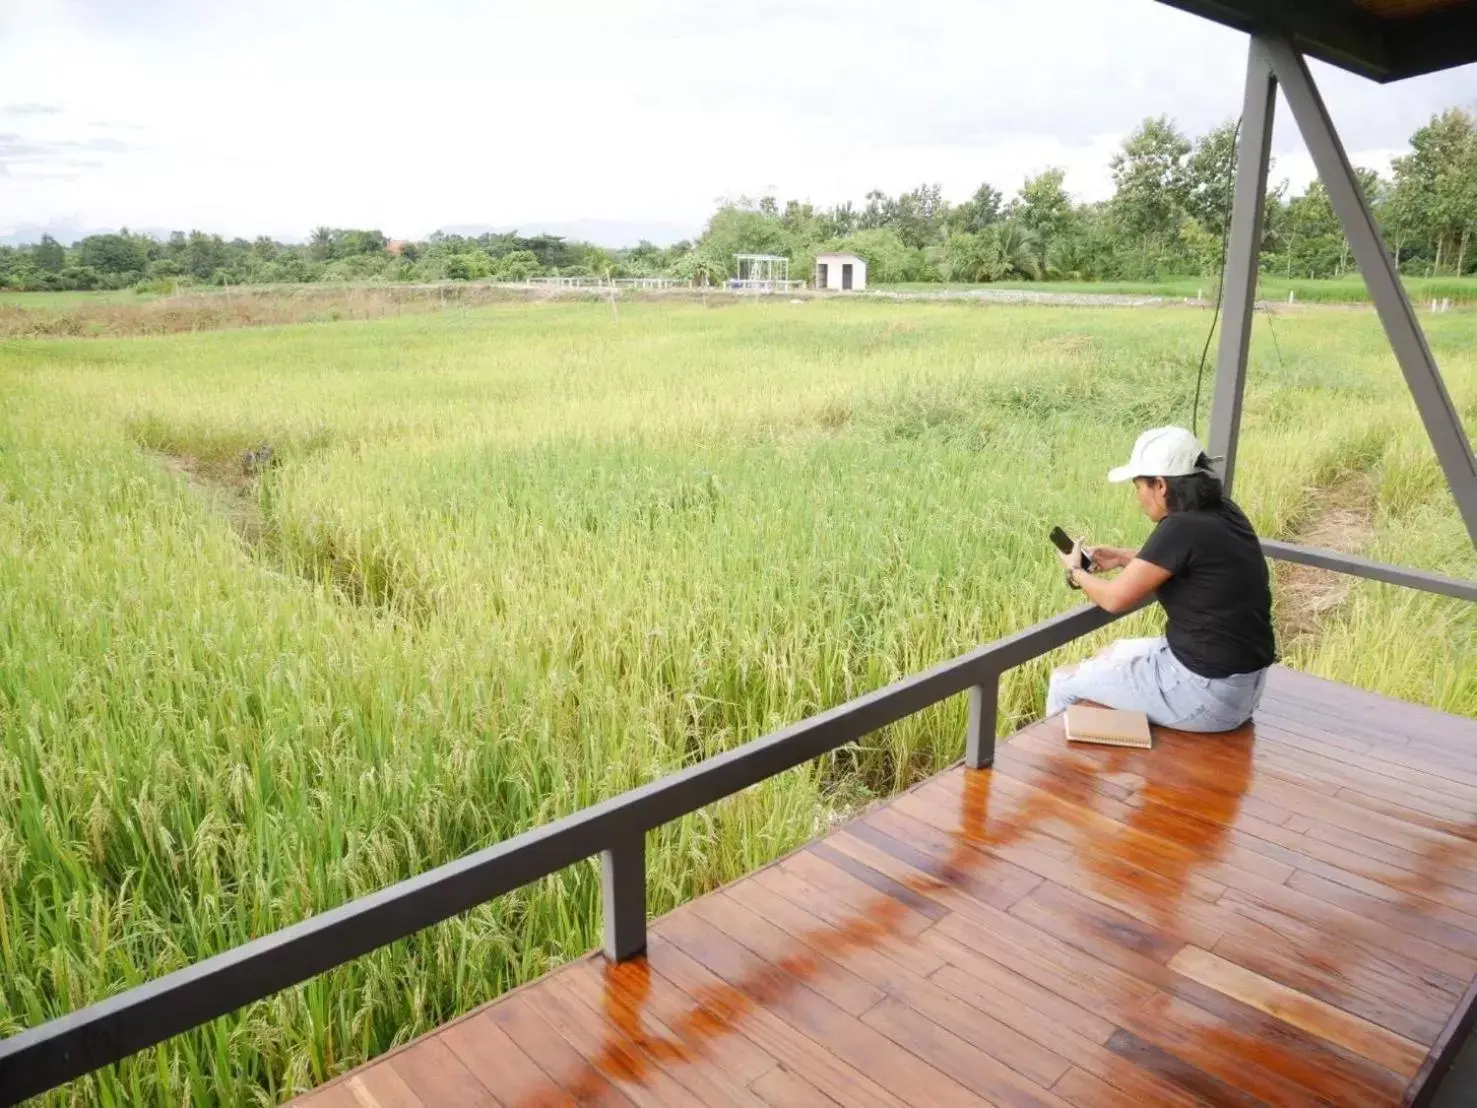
(1064, 544)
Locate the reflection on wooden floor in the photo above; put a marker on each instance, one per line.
(1284, 915)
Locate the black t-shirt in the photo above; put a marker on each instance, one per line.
(1218, 600)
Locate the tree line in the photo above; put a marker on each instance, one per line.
(124, 259)
(1167, 218)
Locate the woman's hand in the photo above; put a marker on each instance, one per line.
(1109, 557)
(1073, 559)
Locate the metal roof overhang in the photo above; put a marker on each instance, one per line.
(1385, 40)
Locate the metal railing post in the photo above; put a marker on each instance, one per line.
(623, 896)
(979, 742)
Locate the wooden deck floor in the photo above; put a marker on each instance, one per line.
(1285, 915)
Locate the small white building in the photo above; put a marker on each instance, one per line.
(843, 272)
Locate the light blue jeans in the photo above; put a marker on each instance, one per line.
(1143, 675)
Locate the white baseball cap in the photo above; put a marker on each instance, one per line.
(1162, 452)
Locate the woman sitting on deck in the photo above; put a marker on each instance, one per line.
(1204, 564)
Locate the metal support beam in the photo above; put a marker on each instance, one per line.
(1438, 413)
(623, 895)
(1242, 256)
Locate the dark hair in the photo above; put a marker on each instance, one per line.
(1194, 492)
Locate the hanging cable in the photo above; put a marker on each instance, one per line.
(1267, 311)
(1220, 287)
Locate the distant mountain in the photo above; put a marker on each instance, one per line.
(67, 235)
(601, 232)
(31, 233)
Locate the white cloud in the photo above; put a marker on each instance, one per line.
(277, 116)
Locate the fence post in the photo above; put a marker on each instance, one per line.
(979, 741)
(623, 896)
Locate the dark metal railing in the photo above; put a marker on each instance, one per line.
(1374, 571)
(101, 1034)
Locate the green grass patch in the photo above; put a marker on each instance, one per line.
(1342, 290)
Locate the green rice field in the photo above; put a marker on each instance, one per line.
(1349, 289)
(509, 560)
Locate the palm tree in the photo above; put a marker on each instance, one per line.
(321, 243)
(1019, 250)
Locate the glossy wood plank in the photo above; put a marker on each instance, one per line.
(1122, 942)
(1175, 1071)
(1014, 834)
(1314, 1016)
(1281, 1048)
(1104, 875)
(1453, 802)
(1323, 849)
(1311, 807)
(604, 1050)
(659, 1047)
(878, 930)
(437, 1076)
(1367, 729)
(567, 1069)
(878, 880)
(1210, 866)
(1041, 1017)
(826, 975)
(1234, 1060)
(1068, 971)
(1420, 935)
(510, 1075)
(1198, 837)
(861, 942)
(336, 1095)
(997, 883)
(945, 1052)
(1390, 1003)
(1381, 766)
(998, 1034)
(742, 1014)
(1209, 795)
(381, 1087)
(1232, 1028)
(1338, 701)
(855, 894)
(1301, 922)
(859, 1046)
(1316, 747)
(1104, 879)
(1082, 1089)
(1398, 719)
(985, 960)
(665, 1021)
(781, 1088)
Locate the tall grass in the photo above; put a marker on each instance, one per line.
(116, 314)
(519, 559)
(1323, 290)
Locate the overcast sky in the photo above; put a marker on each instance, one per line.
(636, 116)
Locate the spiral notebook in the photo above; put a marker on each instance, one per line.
(1108, 726)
